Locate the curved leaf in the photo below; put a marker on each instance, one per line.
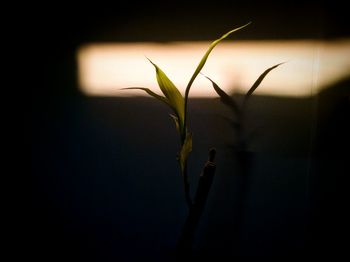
(185, 151)
(176, 120)
(205, 57)
(173, 95)
(150, 92)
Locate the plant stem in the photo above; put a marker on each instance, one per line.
(184, 245)
(187, 187)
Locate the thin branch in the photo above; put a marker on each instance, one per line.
(187, 187)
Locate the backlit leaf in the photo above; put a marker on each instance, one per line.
(176, 120)
(185, 151)
(173, 95)
(150, 92)
(205, 57)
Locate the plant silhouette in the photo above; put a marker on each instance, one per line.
(238, 110)
(240, 152)
(178, 104)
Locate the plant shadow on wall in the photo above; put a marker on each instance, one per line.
(239, 148)
(179, 105)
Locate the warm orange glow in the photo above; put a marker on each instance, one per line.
(311, 66)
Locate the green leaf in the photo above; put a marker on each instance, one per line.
(225, 98)
(176, 120)
(173, 95)
(150, 92)
(185, 151)
(259, 80)
(205, 57)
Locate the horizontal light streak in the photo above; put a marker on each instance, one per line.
(311, 66)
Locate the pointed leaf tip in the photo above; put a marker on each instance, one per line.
(150, 92)
(224, 97)
(172, 94)
(205, 57)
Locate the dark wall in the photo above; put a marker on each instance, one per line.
(106, 185)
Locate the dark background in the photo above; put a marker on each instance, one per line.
(105, 182)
